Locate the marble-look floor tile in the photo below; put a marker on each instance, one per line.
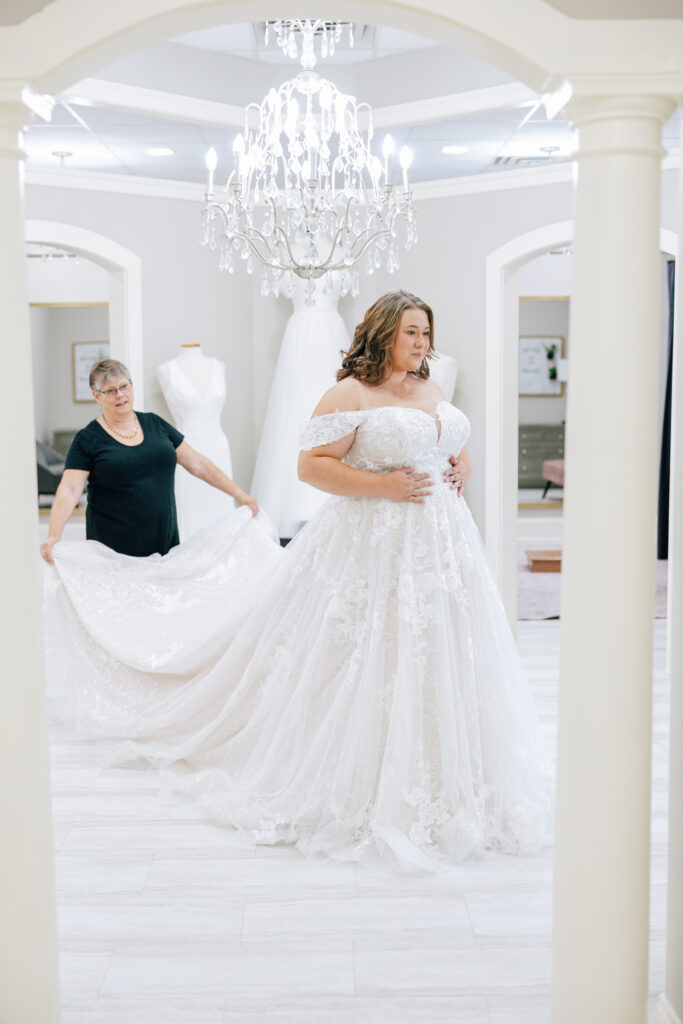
(657, 973)
(153, 919)
(355, 914)
(96, 872)
(60, 832)
(275, 972)
(492, 871)
(253, 874)
(352, 1010)
(451, 971)
(520, 1009)
(82, 972)
(174, 838)
(658, 909)
(122, 1011)
(88, 806)
(525, 912)
(65, 776)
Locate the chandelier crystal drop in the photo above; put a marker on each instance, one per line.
(290, 33)
(306, 197)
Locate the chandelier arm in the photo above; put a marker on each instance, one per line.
(280, 230)
(213, 207)
(229, 236)
(250, 242)
(325, 265)
(369, 241)
(367, 236)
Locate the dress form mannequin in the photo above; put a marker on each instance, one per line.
(444, 370)
(195, 365)
(309, 358)
(193, 385)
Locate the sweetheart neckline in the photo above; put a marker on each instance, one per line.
(378, 408)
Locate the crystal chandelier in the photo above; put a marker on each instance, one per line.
(306, 196)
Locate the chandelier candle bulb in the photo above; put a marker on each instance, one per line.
(405, 159)
(211, 162)
(388, 150)
(238, 150)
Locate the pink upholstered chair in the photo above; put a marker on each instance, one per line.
(553, 473)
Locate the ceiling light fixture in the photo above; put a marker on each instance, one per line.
(62, 155)
(159, 151)
(454, 150)
(306, 195)
(290, 33)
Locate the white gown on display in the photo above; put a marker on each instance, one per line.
(197, 415)
(310, 356)
(444, 370)
(357, 694)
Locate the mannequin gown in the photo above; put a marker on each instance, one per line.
(310, 355)
(358, 694)
(197, 415)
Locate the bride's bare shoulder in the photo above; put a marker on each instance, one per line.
(346, 396)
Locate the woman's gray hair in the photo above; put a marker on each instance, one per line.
(106, 370)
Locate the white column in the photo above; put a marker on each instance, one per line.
(29, 992)
(601, 889)
(670, 1006)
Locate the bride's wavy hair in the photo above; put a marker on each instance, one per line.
(369, 357)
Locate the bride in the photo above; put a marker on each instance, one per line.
(358, 694)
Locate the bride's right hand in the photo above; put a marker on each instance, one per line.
(406, 485)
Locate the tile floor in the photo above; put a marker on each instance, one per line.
(165, 918)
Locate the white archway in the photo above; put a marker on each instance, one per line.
(125, 288)
(501, 418)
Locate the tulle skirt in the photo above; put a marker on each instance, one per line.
(359, 695)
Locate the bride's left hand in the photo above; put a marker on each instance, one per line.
(459, 471)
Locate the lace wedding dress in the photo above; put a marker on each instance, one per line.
(358, 694)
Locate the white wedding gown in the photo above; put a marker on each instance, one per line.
(358, 694)
(197, 415)
(310, 356)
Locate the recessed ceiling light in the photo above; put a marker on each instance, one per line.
(454, 150)
(159, 151)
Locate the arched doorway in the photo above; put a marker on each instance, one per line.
(125, 287)
(501, 418)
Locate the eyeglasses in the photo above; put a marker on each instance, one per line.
(113, 392)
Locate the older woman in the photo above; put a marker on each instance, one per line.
(128, 461)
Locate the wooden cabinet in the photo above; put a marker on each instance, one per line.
(538, 442)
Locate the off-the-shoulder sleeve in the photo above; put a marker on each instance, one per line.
(328, 428)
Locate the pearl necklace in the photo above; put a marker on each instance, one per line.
(126, 437)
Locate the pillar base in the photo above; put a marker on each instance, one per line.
(665, 1013)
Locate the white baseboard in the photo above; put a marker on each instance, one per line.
(665, 1013)
(547, 529)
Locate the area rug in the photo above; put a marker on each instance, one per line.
(538, 593)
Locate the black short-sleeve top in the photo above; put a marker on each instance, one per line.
(131, 499)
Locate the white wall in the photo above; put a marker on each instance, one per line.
(66, 280)
(185, 297)
(65, 326)
(39, 361)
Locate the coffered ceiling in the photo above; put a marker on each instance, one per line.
(189, 93)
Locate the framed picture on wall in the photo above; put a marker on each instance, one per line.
(84, 354)
(539, 356)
